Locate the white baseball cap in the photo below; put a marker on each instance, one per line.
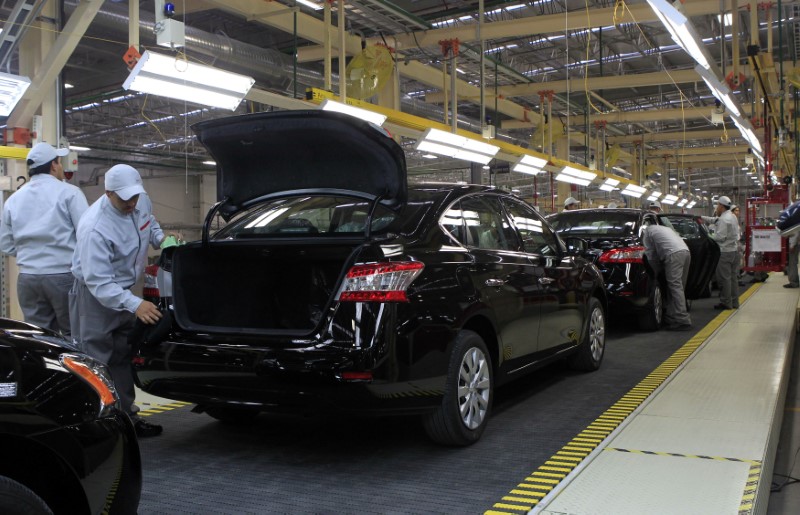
(43, 153)
(725, 201)
(124, 180)
(570, 201)
(655, 203)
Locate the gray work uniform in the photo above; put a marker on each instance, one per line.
(666, 250)
(109, 258)
(727, 236)
(38, 227)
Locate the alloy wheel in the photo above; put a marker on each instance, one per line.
(597, 333)
(474, 387)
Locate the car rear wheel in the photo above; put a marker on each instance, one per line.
(19, 499)
(233, 416)
(591, 350)
(469, 389)
(650, 320)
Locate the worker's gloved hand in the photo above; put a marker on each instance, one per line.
(170, 241)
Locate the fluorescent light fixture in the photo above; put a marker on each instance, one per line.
(309, 3)
(682, 30)
(721, 91)
(210, 163)
(430, 156)
(670, 199)
(691, 204)
(746, 131)
(575, 176)
(459, 147)
(609, 184)
(633, 190)
(67, 85)
(683, 202)
(168, 76)
(357, 112)
(12, 87)
(79, 149)
(654, 196)
(531, 165)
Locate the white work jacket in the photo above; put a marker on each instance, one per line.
(39, 222)
(111, 253)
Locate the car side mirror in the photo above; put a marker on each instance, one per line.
(576, 246)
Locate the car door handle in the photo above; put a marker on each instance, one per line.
(546, 280)
(495, 282)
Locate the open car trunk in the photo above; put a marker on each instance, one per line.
(256, 288)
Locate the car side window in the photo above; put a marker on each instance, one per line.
(537, 238)
(486, 226)
(453, 223)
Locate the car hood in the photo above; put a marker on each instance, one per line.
(274, 152)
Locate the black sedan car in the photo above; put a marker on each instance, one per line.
(614, 245)
(336, 287)
(66, 447)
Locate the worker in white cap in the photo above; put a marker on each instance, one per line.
(666, 251)
(109, 259)
(571, 203)
(655, 206)
(38, 227)
(727, 236)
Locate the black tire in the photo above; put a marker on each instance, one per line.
(232, 416)
(651, 319)
(593, 346)
(468, 394)
(18, 499)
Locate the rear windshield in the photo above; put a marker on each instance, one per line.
(310, 215)
(598, 223)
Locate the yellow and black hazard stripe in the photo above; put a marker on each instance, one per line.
(161, 408)
(749, 494)
(535, 487)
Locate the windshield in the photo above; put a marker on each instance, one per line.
(598, 223)
(308, 215)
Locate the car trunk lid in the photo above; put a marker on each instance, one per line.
(276, 152)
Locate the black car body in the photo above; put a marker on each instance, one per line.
(335, 287)
(66, 445)
(615, 246)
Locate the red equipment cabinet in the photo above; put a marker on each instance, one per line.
(765, 250)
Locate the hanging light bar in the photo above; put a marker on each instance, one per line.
(531, 165)
(721, 91)
(683, 202)
(670, 199)
(12, 87)
(172, 77)
(682, 31)
(654, 196)
(691, 204)
(575, 176)
(633, 190)
(609, 185)
(453, 145)
(357, 112)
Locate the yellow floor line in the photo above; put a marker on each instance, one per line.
(610, 420)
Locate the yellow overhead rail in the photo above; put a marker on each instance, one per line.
(417, 123)
(14, 152)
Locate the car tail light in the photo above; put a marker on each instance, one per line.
(625, 255)
(357, 376)
(150, 288)
(379, 282)
(96, 375)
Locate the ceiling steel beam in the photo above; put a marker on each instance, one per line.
(674, 136)
(53, 63)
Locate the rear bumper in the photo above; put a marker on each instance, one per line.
(300, 379)
(627, 288)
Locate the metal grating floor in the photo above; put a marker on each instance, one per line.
(289, 464)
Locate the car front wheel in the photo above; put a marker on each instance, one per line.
(650, 320)
(591, 350)
(467, 401)
(18, 498)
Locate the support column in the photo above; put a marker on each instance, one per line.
(564, 188)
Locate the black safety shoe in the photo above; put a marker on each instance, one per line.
(790, 285)
(145, 429)
(722, 306)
